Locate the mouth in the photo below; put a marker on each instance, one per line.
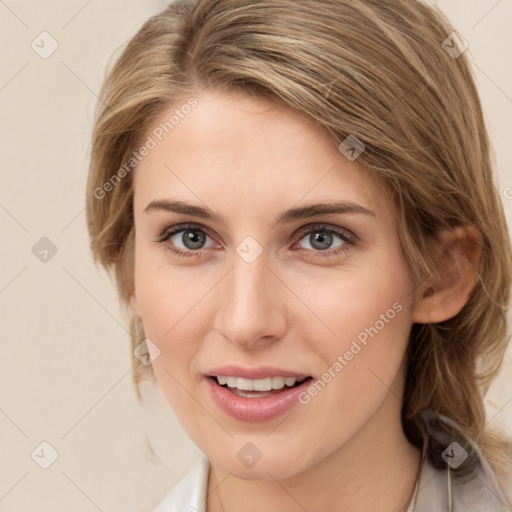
(258, 388)
(257, 393)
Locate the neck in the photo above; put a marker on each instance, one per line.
(376, 470)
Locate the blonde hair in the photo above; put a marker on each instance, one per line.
(378, 70)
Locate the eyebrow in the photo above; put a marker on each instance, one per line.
(302, 212)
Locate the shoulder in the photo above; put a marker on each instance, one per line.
(482, 488)
(189, 494)
(442, 488)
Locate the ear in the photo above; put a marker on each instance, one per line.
(448, 290)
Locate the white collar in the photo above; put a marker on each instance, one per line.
(189, 494)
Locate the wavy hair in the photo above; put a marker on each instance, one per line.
(385, 71)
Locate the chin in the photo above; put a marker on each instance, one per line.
(267, 468)
(257, 458)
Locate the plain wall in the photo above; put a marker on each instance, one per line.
(65, 366)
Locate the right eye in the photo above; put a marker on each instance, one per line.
(190, 236)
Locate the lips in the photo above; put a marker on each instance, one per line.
(255, 394)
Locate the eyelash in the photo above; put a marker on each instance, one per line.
(348, 239)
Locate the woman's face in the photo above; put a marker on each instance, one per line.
(259, 284)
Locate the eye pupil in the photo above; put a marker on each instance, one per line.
(319, 239)
(193, 239)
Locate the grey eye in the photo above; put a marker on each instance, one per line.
(321, 240)
(192, 239)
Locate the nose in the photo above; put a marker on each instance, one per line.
(251, 311)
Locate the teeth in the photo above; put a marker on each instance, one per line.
(278, 382)
(257, 384)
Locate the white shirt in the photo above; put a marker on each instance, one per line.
(437, 490)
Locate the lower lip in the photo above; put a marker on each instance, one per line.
(255, 409)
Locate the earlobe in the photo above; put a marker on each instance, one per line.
(445, 294)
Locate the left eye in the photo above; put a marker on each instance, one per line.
(322, 239)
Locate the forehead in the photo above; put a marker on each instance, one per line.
(235, 151)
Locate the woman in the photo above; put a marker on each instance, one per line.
(298, 204)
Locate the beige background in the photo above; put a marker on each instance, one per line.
(65, 369)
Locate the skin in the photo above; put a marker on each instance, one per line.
(248, 160)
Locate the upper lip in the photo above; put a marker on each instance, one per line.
(257, 372)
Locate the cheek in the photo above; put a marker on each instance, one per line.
(378, 310)
(373, 301)
(172, 302)
(165, 294)
(161, 302)
(368, 314)
(171, 312)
